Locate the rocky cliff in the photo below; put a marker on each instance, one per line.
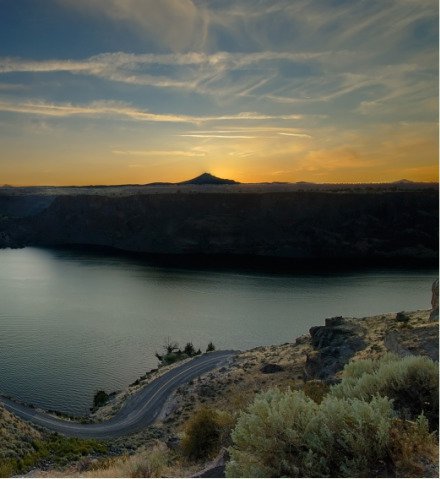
(341, 340)
(301, 225)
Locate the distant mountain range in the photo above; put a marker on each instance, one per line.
(203, 179)
(208, 179)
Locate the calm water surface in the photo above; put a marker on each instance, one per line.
(72, 323)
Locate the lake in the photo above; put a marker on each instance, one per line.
(72, 322)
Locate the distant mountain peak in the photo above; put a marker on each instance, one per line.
(404, 181)
(208, 179)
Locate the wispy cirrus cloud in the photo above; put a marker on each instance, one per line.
(176, 24)
(297, 135)
(263, 76)
(193, 70)
(185, 25)
(119, 109)
(227, 137)
(159, 153)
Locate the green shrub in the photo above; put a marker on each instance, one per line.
(411, 382)
(206, 432)
(189, 349)
(100, 399)
(8, 467)
(54, 449)
(210, 347)
(286, 434)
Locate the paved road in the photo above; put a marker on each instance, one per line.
(139, 410)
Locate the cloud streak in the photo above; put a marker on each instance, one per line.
(190, 70)
(156, 153)
(117, 109)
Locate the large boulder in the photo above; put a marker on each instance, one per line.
(334, 345)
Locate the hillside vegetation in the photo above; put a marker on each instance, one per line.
(23, 447)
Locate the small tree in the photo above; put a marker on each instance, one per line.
(170, 346)
(189, 349)
(206, 432)
(210, 347)
(100, 399)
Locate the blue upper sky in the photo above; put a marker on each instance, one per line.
(116, 91)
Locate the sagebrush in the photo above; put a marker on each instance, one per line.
(287, 434)
(411, 382)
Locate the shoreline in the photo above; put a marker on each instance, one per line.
(379, 342)
(247, 263)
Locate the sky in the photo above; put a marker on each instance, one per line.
(136, 91)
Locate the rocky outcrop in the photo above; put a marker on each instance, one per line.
(393, 342)
(368, 226)
(417, 340)
(434, 301)
(271, 368)
(405, 333)
(334, 345)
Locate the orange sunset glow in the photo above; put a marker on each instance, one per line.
(162, 91)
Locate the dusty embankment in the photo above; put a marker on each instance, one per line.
(355, 224)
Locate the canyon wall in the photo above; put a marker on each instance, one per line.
(299, 225)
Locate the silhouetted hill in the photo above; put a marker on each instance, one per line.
(208, 179)
(203, 179)
(403, 182)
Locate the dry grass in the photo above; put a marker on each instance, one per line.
(414, 451)
(157, 461)
(16, 436)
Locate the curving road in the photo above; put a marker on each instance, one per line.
(138, 411)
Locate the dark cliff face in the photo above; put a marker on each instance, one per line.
(292, 225)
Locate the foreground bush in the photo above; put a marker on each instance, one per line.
(206, 432)
(100, 399)
(413, 449)
(287, 434)
(55, 449)
(411, 382)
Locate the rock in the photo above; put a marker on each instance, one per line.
(420, 341)
(271, 368)
(434, 302)
(392, 343)
(334, 321)
(217, 467)
(304, 339)
(173, 442)
(402, 317)
(335, 344)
